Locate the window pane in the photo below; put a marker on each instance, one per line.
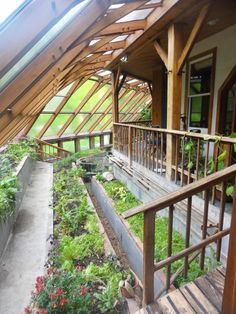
(199, 110)
(200, 77)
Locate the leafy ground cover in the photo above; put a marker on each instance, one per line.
(9, 186)
(79, 278)
(123, 200)
(66, 162)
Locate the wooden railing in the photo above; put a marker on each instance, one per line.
(50, 152)
(195, 155)
(185, 194)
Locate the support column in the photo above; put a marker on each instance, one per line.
(77, 145)
(115, 96)
(175, 48)
(157, 77)
(91, 142)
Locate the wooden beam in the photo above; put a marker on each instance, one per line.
(113, 16)
(161, 52)
(193, 36)
(124, 27)
(115, 95)
(175, 47)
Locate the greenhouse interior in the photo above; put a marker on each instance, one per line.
(117, 156)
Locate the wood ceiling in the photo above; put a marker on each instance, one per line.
(39, 57)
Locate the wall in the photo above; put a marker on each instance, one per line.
(225, 43)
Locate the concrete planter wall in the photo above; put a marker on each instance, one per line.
(23, 172)
(131, 245)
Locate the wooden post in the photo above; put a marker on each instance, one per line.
(115, 96)
(130, 145)
(77, 145)
(91, 142)
(148, 257)
(157, 96)
(175, 47)
(101, 140)
(60, 144)
(229, 296)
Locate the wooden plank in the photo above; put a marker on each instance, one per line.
(212, 294)
(229, 298)
(157, 96)
(197, 299)
(174, 303)
(217, 280)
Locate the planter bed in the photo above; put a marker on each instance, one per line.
(115, 198)
(79, 276)
(18, 168)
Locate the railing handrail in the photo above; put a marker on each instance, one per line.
(205, 137)
(184, 192)
(133, 122)
(54, 146)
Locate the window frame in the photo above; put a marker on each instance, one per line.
(204, 55)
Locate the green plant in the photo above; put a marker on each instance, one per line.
(146, 113)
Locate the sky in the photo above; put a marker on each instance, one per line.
(7, 7)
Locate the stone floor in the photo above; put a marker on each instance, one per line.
(27, 250)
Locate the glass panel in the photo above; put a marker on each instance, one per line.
(65, 90)
(90, 123)
(97, 141)
(69, 145)
(95, 99)
(199, 110)
(107, 139)
(100, 125)
(53, 104)
(57, 125)
(135, 15)
(74, 124)
(38, 125)
(200, 77)
(41, 44)
(77, 97)
(84, 144)
(105, 105)
(10, 7)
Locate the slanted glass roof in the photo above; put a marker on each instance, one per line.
(41, 44)
(10, 7)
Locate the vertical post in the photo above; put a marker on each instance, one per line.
(101, 140)
(175, 47)
(130, 145)
(91, 142)
(148, 257)
(157, 96)
(60, 144)
(77, 145)
(115, 96)
(229, 296)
